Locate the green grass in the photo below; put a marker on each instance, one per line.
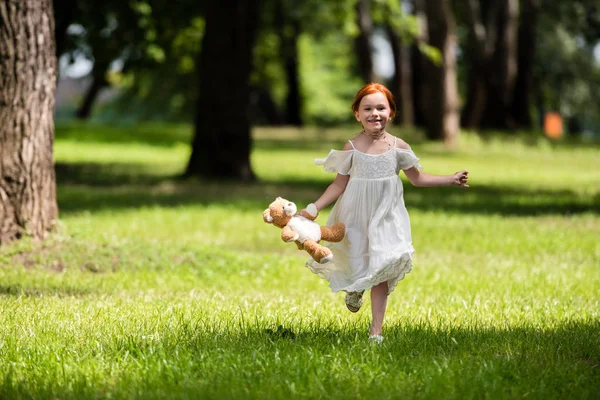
(154, 287)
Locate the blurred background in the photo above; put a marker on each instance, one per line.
(518, 66)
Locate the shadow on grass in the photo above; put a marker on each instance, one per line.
(550, 360)
(94, 187)
(17, 290)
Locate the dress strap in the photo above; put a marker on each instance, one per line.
(352, 144)
(395, 139)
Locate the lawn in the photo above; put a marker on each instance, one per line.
(154, 287)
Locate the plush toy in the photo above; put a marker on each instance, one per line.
(302, 230)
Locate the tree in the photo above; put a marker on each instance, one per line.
(401, 30)
(287, 19)
(364, 49)
(567, 74)
(523, 91)
(27, 83)
(493, 66)
(222, 140)
(440, 86)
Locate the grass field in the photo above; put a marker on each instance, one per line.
(153, 287)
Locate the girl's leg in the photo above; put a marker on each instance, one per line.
(379, 295)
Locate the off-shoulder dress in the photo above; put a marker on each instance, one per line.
(378, 244)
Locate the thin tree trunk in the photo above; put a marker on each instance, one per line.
(503, 70)
(99, 82)
(64, 11)
(364, 49)
(442, 86)
(289, 30)
(493, 66)
(521, 103)
(264, 108)
(419, 68)
(222, 140)
(418, 83)
(27, 84)
(401, 86)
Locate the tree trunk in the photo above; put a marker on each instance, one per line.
(417, 86)
(264, 110)
(289, 30)
(419, 65)
(442, 88)
(27, 84)
(492, 71)
(521, 102)
(503, 70)
(99, 82)
(364, 50)
(64, 12)
(222, 141)
(401, 86)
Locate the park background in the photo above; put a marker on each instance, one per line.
(142, 143)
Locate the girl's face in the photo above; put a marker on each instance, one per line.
(373, 112)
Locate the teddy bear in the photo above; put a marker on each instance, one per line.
(303, 230)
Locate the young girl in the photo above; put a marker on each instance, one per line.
(377, 250)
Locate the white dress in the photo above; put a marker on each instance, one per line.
(378, 243)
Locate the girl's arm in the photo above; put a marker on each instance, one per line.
(333, 191)
(418, 178)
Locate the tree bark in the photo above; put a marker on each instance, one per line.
(401, 86)
(364, 50)
(442, 88)
(27, 84)
(521, 102)
(222, 141)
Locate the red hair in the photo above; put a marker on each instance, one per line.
(371, 88)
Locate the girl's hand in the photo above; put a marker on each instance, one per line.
(311, 212)
(304, 213)
(460, 178)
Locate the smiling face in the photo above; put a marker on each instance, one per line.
(373, 112)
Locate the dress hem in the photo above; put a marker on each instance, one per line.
(393, 273)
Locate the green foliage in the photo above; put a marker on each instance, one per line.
(327, 81)
(153, 287)
(567, 72)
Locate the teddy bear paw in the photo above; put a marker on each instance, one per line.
(326, 259)
(293, 239)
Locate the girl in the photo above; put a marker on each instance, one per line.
(377, 250)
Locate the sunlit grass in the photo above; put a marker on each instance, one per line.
(154, 287)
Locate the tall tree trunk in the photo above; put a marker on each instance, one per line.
(522, 95)
(98, 83)
(27, 84)
(492, 71)
(364, 49)
(401, 86)
(417, 86)
(289, 30)
(442, 85)
(264, 109)
(503, 70)
(222, 141)
(64, 12)
(418, 65)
